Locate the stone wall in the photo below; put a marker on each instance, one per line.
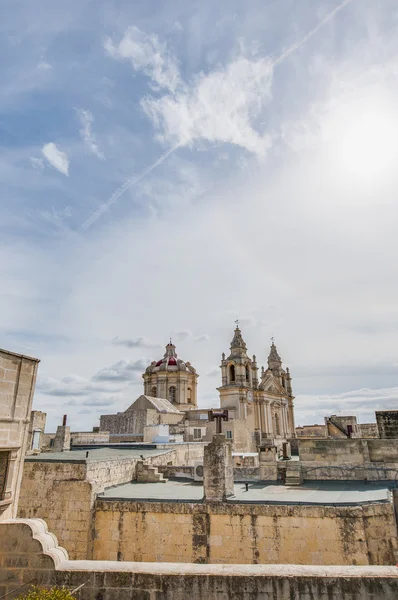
(312, 431)
(356, 459)
(81, 438)
(387, 423)
(244, 533)
(63, 493)
(28, 553)
(369, 430)
(17, 384)
(36, 428)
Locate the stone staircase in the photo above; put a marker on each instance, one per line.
(293, 473)
(149, 474)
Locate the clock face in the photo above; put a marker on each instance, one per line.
(249, 396)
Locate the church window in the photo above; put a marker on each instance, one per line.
(283, 382)
(247, 370)
(189, 399)
(277, 428)
(172, 393)
(154, 392)
(231, 373)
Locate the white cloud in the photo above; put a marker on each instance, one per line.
(220, 107)
(86, 120)
(149, 55)
(56, 158)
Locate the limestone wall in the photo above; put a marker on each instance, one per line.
(387, 423)
(356, 459)
(313, 431)
(28, 553)
(36, 428)
(81, 438)
(63, 494)
(17, 384)
(238, 533)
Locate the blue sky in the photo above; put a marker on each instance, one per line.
(169, 167)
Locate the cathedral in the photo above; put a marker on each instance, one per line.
(264, 405)
(260, 408)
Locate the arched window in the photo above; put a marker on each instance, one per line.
(154, 391)
(172, 393)
(231, 373)
(277, 427)
(247, 370)
(189, 399)
(283, 381)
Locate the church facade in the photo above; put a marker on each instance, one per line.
(264, 404)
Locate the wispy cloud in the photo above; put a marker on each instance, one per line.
(139, 342)
(123, 370)
(86, 120)
(56, 158)
(148, 54)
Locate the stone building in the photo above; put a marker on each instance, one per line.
(260, 408)
(173, 379)
(17, 384)
(144, 412)
(36, 429)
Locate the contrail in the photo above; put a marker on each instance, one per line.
(127, 184)
(133, 180)
(309, 35)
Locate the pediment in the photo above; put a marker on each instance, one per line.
(272, 386)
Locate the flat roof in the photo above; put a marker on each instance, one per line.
(97, 454)
(317, 492)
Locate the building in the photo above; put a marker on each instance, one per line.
(17, 384)
(260, 408)
(146, 411)
(173, 379)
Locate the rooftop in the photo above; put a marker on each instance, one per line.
(318, 493)
(97, 454)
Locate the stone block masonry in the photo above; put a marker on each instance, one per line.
(229, 533)
(63, 493)
(17, 384)
(218, 475)
(28, 553)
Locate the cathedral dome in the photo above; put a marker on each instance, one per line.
(170, 362)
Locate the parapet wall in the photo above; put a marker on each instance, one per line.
(244, 533)
(28, 553)
(63, 494)
(355, 459)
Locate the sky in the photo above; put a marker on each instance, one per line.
(169, 167)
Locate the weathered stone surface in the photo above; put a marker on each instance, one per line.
(48, 565)
(245, 533)
(218, 476)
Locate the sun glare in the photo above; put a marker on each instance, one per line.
(369, 145)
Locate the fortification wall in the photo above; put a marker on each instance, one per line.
(28, 553)
(238, 533)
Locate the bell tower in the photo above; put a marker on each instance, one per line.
(239, 377)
